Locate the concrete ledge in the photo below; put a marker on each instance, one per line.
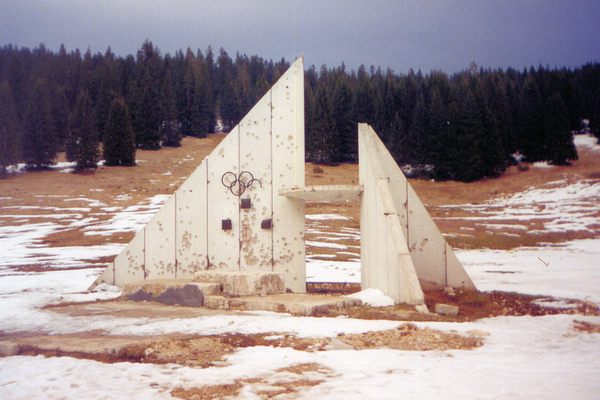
(293, 303)
(324, 192)
(242, 283)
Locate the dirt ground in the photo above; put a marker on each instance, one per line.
(161, 172)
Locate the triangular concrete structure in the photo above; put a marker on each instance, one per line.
(242, 212)
(402, 249)
(228, 215)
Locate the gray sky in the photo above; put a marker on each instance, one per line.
(423, 34)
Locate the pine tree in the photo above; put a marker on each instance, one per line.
(559, 140)
(345, 126)
(108, 89)
(60, 115)
(146, 112)
(530, 127)
(9, 129)
(323, 144)
(39, 140)
(84, 133)
(119, 140)
(169, 130)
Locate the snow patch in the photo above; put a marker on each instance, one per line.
(373, 297)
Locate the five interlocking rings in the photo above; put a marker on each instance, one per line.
(237, 184)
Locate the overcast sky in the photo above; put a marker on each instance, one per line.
(416, 34)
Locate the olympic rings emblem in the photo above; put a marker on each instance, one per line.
(237, 184)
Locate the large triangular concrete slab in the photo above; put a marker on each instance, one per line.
(402, 248)
(228, 214)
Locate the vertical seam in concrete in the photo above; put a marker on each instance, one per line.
(175, 228)
(446, 262)
(207, 229)
(239, 170)
(407, 215)
(272, 187)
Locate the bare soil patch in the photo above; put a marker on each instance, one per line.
(409, 337)
(588, 327)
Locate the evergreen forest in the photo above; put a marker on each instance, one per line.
(464, 126)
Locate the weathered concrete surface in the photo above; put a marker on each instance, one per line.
(293, 303)
(446, 309)
(87, 343)
(237, 283)
(324, 192)
(402, 250)
(8, 348)
(156, 287)
(216, 302)
(188, 295)
(261, 155)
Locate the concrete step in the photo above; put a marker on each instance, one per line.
(244, 283)
(208, 288)
(293, 303)
(216, 302)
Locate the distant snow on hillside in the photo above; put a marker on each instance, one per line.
(587, 140)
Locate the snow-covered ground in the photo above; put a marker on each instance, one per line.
(522, 357)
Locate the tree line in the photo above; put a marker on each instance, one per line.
(464, 126)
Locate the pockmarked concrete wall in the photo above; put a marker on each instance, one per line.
(402, 249)
(228, 214)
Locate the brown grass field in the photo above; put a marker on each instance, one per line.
(161, 172)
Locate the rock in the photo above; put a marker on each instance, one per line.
(422, 308)
(208, 288)
(188, 295)
(449, 290)
(337, 344)
(216, 302)
(8, 349)
(244, 283)
(140, 295)
(446, 309)
(477, 333)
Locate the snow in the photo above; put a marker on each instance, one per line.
(329, 245)
(373, 297)
(321, 217)
(542, 164)
(332, 271)
(523, 358)
(573, 270)
(589, 141)
(130, 219)
(568, 207)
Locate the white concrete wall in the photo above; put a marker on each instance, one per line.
(287, 121)
(186, 235)
(433, 259)
(255, 157)
(160, 243)
(191, 224)
(386, 263)
(223, 246)
(129, 264)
